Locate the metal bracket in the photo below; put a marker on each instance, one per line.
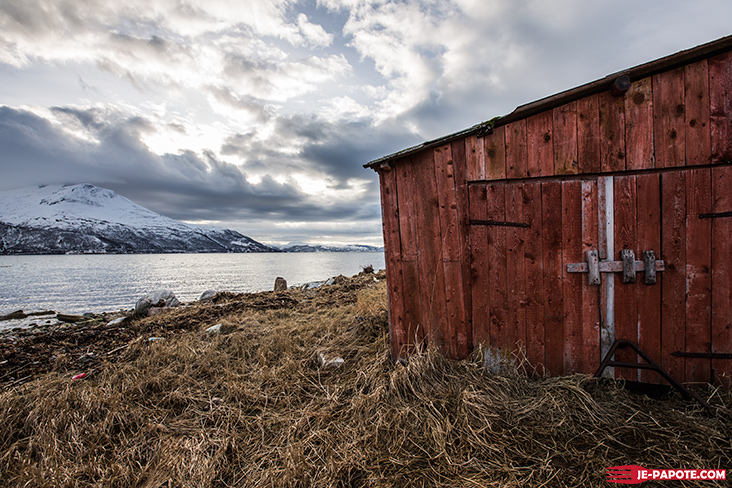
(715, 215)
(608, 361)
(499, 223)
(628, 266)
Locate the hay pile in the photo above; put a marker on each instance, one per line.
(252, 407)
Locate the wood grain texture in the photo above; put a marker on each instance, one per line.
(516, 150)
(626, 294)
(495, 154)
(612, 133)
(533, 266)
(429, 243)
(698, 273)
(447, 202)
(474, 159)
(588, 135)
(551, 197)
(720, 92)
(697, 102)
(572, 207)
(515, 265)
(479, 274)
(649, 296)
(392, 245)
(669, 119)
(540, 144)
(496, 210)
(721, 334)
(404, 173)
(565, 139)
(673, 307)
(639, 125)
(464, 330)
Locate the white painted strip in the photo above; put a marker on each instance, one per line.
(607, 251)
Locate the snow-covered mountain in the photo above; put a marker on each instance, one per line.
(87, 219)
(304, 247)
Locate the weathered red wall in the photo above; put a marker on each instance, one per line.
(668, 143)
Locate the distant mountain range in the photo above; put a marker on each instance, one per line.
(83, 218)
(304, 247)
(59, 219)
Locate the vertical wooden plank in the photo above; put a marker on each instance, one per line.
(516, 333)
(571, 200)
(551, 196)
(463, 331)
(626, 294)
(639, 125)
(696, 96)
(455, 320)
(496, 210)
(722, 275)
(534, 264)
(720, 93)
(429, 258)
(612, 132)
(698, 273)
(516, 150)
(590, 303)
(540, 145)
(446, 195)
(495, 154)
(474, 158)
(649, 296)
(669, 118)
(404, 174)
(392, 246)
(479, 277)
(413, 333)
(565, 139)
(588, 135)
(673, 237)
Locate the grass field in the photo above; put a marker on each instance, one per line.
(252, 406)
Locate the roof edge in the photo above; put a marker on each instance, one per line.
(666, 63)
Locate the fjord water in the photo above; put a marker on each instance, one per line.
(105, 283)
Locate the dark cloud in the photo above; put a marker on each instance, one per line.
(185, 186)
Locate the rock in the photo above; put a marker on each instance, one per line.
(18, 314)
(160, 298)
(156, 311)
(207, 295)
(336, 280)
(116, 321)
(70, 318)
(327, 360)
(221, 328)
(214, 329)
(312, 285)
(280, 284)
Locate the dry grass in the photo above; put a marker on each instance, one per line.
(252, 408)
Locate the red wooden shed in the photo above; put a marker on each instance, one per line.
(600, 213)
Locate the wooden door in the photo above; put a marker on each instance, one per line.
(524, 234)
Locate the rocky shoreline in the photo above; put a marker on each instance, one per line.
(34, 343)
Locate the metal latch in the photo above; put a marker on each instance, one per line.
(628, 266)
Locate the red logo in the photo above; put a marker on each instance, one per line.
(632, 474)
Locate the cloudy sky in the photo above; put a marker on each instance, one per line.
(258, 115)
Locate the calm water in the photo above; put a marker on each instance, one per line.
(105, 283)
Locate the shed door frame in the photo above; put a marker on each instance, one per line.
(681, 312)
